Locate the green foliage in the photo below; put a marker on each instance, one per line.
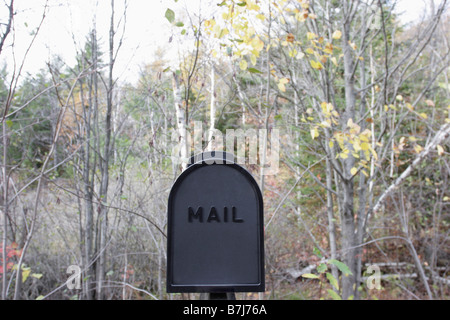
(341, 266)
(322, 274)
(32, 126)
(170, 15)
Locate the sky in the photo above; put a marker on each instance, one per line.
(68, 22)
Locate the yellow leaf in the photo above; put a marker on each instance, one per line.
(334, 61)
(367, 133)
(216, 29)
(309, 51)
(37, 275)
(423, 115)
(304, 4)
(440, 150)
(258, 44)
(251, 5)
(365, 146)
(282, 87)
(393, 107)
(314, 133)
(326, 124)
(356, 145)
(310, 276)
(399, 98)
(255, 52)
(328, 51)
(292, 53)
(243, 65)
(331, 144)
(337, 35)
(316, 65)
(311, 35)
(418, 148)
(25, 274)
(343, 155)
(261, 17)
(354, 171)
(350, 123)
(253, 59)
(364, 138)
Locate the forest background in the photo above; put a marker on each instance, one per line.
(359, 208)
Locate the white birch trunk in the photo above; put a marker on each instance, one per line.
(181, 124)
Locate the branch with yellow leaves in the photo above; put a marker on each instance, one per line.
(435, 143)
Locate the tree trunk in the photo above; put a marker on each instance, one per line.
(4, 181)
(212, 112)
(330, 216)
(348, 223)
(105, 166)
(181, 124)
(5, 208)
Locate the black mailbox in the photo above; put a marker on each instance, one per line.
(215, 237)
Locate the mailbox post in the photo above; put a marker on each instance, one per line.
(215, 240)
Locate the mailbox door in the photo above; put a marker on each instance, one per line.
(215, 231)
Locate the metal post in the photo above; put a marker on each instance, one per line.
(218, 296)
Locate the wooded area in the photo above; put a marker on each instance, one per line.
(361, 104)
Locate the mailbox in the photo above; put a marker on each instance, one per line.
(215, 239)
